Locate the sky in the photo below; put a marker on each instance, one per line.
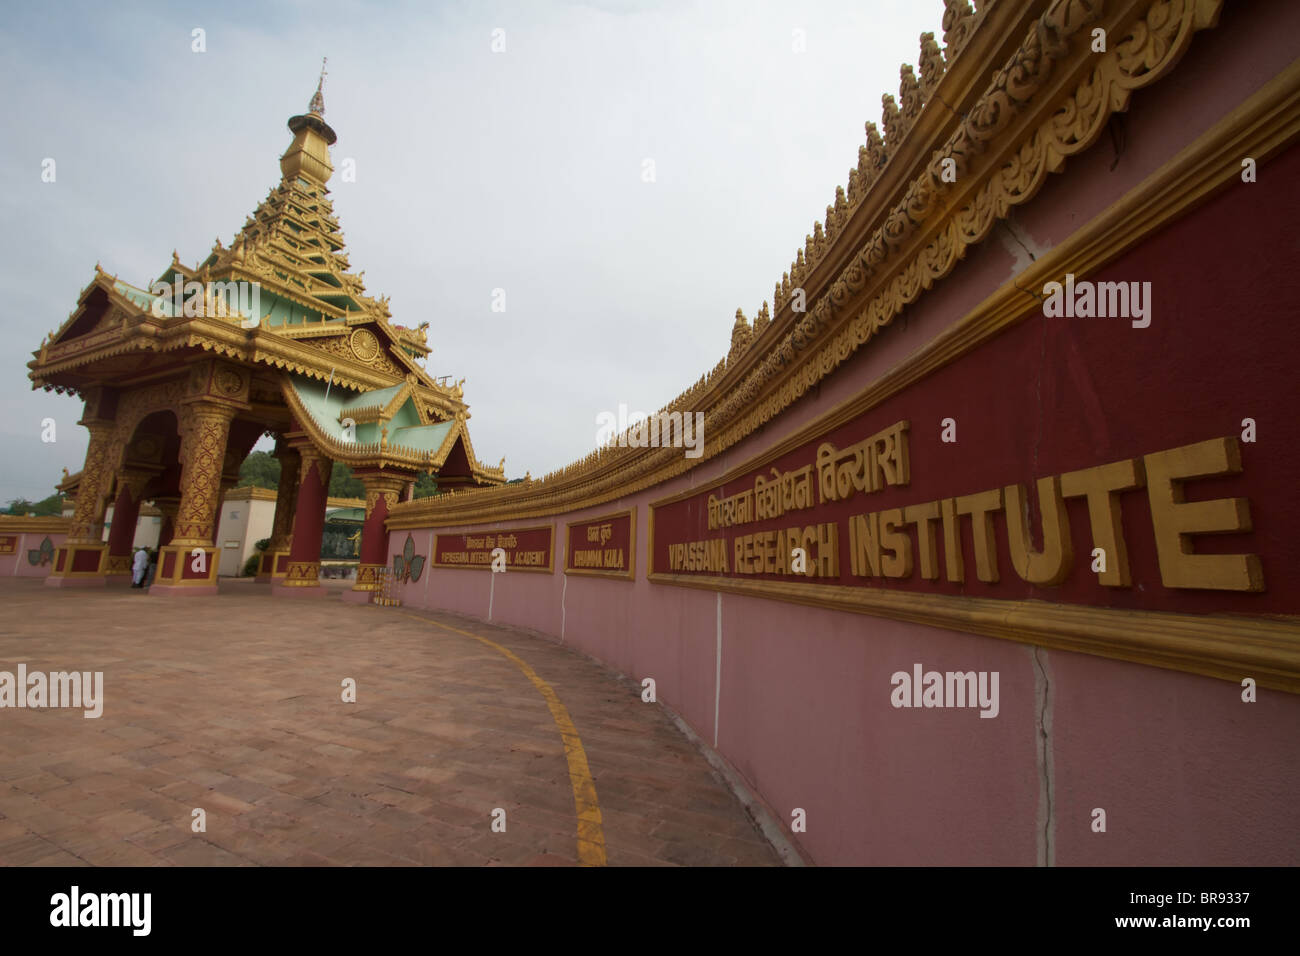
(522, 170)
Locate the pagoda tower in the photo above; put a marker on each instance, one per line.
(271, 335)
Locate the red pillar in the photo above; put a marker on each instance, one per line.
(168, 507)
(382, 492)
(277, 550)
(126, 512)
(302, 574)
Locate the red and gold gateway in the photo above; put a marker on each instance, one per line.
(273, 335)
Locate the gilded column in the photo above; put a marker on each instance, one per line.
(302, 571)
(383, 491)
(188, 564)
(276, 556)
(79, 561)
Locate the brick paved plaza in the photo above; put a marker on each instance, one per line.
(234, 704)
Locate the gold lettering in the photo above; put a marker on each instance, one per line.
(1102, 486)
(1052, 564)
(864, 545)
(809, 538)
(1175, 518)
(980, 507)
(952, 557)
(899, 544)
(924, 517)
(828, 551)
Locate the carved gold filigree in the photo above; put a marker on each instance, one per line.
(205, 428)
(365, 345)
(895, 265)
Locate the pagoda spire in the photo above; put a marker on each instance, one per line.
(308, 154)
(317, 104)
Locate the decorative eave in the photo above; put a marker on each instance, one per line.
(141, 330)
(101, 280)
(70, 484)
(1050, 101)
(370, 414)
(382, 454)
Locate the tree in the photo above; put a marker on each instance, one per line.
(426, 486)
(343, 485)
(53, 505)
(260, 469)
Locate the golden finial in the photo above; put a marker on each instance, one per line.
(317, 104)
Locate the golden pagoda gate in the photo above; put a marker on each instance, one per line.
(273, 335)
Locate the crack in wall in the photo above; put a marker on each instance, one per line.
(1046, 835)
(1023, 248)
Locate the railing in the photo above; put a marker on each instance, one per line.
(386, 595)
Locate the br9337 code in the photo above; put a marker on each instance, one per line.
(1224, 897)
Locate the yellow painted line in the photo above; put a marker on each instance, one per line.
(591, 836)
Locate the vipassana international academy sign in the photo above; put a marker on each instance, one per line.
(524, 549)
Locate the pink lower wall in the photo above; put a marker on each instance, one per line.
(17, 565)
(1186, 772)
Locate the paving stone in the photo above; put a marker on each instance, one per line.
(232, 703)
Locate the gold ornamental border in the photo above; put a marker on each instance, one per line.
(1260, 127)
(51, 524)
(1229, 647)
(550, 550)
(1050, 101)
(630, 573)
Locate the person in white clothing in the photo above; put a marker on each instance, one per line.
(138, 568)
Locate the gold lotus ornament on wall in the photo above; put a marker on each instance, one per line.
(408, 565)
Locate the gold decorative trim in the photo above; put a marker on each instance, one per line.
(368, 577)
(1261, 126)
(1227, 647)
(301, 574)
(53, 524)
(383, 454)
(1052, 79)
